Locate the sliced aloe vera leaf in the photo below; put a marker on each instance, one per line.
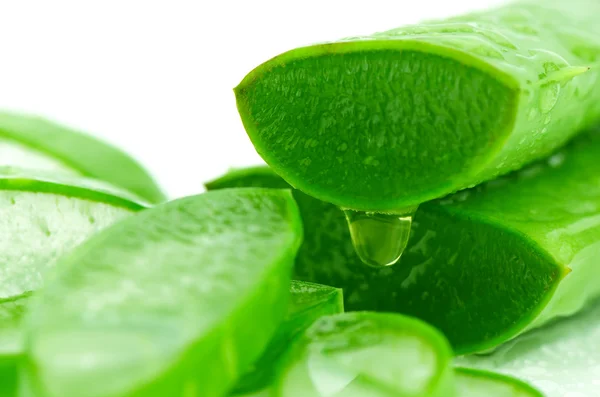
(308, 302)
(483, 265)
(368, 354)
(44, 217)
(178, 300)
(561, 359)
(397, 118)
(477, 383)
(33, 142)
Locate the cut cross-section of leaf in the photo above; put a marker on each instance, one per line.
(178, 300)
(33, 142)
(308, 302)
(391, 120)
(368, 354)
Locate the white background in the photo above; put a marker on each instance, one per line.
(156, 77)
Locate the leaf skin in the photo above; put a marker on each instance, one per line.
(477, 383)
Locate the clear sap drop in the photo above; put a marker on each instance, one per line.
(379, 239)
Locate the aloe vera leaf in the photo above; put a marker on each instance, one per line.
(308, 302)
(33, 142)
(561, 359)
(391, 120)
(44, 217)
(477, 383)
(177, 300)
(368, 354)
(483, 265)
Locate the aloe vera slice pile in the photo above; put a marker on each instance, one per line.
(200, 282)
(109, 290)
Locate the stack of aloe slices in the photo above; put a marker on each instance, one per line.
(108, 294)
(109, 290)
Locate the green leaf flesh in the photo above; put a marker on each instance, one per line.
(398, 118)
(177, 300)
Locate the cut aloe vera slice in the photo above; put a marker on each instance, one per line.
(368, 354)
(178, 300)
(483, 265)
(33, 142)
(43, 217)
(561, 359)
(476, 383)
(388, 121)
(308, 302)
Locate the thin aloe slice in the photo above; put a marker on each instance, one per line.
(178, 300)
(308, 302)
(33, 142)
(397, 118)
(477, 383)
(561, 359)
(483, 265)
(42, 218)
(368, 354)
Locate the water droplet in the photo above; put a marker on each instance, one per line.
(548, 97)
(379, 239)
(532, 114)
(556, 160)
